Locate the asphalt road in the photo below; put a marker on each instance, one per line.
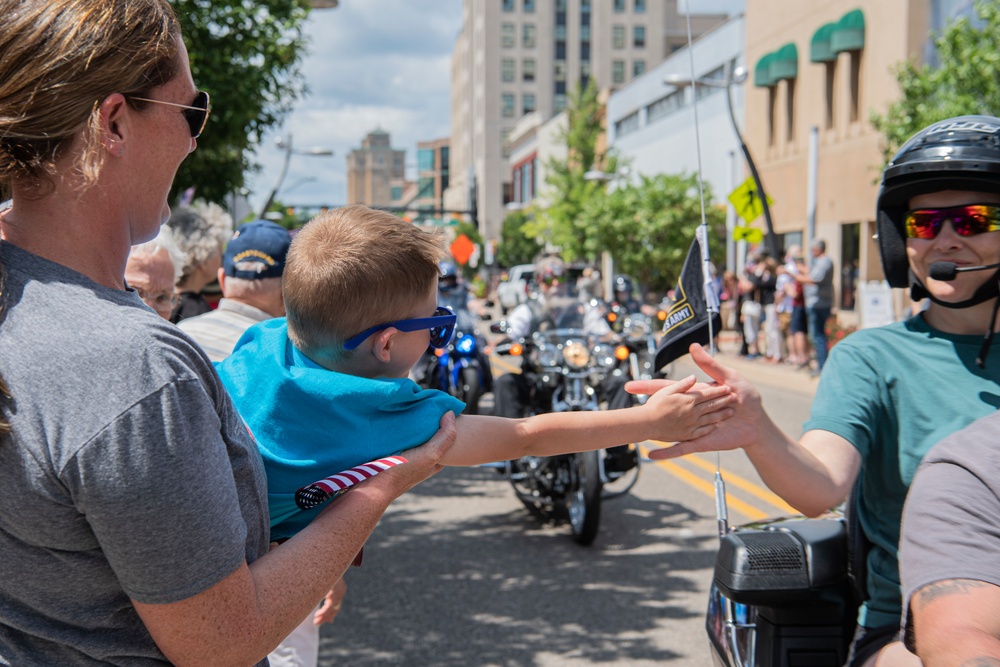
(458, 574)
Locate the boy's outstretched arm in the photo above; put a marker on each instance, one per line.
(812, 475)
(676, 412)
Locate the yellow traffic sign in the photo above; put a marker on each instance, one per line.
(746, 200)
(751, 235)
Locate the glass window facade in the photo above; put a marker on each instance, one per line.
(529, 6)
(425, 159)
(508, 5)
(507, 69)
(619, 6)
(664, 105)
(640, 6)
(528, 35)
(618, 71)
(639, 36)
(528, 102)
(618, 36)
(507, 105)
(638, 68)
(528, 69)
(628, 124)
(508, 35)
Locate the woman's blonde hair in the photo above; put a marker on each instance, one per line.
(352, 268)
(58, 60)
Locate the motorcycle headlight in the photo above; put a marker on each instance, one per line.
(604, 356)
(548, 356)
(637, 327)
(466, 344)
(576, 355)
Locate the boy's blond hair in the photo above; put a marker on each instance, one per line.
(350, 269)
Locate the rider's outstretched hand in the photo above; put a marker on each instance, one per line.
(745, 420)
(685, 410)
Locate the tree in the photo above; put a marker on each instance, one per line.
(966, 82)
(516, 246)
(648, 228)
(568, 190)
(246, 54)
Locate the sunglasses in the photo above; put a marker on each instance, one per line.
(969, 220)
(196, 113)
(442, 326)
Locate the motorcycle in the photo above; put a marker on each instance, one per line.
(635, 350)
(457, 370)
(567, 368)
(786, 592)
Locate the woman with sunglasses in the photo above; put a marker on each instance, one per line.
(888, 394)
(133, 515)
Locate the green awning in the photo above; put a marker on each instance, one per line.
(849, 33)
(762, 72)
(785, 63)
(820, 50)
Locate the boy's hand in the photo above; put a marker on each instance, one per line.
(744, 408)
(683, 412)
(330, 606)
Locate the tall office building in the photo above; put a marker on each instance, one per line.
(433, 168)
(514, 57)
(376, 172)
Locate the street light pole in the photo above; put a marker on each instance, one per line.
(738, 75)
(287, 145)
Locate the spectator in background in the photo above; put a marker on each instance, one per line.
(751, 309)
(792, 303)
(250, 278)
(765, 279)
(817, 287)
(153, 269)
(201, 230)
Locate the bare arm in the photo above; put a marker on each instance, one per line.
(678, 411)
(956, 623)
(812, 475)
(242, 618)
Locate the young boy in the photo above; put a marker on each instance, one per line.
(327, 389)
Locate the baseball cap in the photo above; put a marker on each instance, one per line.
(256, 250)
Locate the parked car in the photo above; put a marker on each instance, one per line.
(514, 291)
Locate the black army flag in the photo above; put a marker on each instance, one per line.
(688, 313)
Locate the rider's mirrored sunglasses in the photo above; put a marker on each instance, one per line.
(968, 220)
(196, 113)
(441, 325)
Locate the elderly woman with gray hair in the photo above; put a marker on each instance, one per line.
(201, 231)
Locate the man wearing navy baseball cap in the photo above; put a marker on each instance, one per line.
(250, 279)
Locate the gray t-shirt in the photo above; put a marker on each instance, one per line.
(819, 293)
(129, 473)
(951, 521)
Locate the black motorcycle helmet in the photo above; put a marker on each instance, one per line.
(623, 284)
(961, 153)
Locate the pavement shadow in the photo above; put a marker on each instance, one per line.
(459, 573)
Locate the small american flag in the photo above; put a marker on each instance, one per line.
(333, 486)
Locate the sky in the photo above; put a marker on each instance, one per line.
(372, 64)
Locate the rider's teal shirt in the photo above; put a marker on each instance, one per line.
(893, 392)
(311, 422)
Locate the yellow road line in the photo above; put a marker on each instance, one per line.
(755, 490)
(708, 489)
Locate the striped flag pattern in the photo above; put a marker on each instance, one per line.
(333, 486)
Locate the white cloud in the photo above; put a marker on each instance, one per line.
(373, 64)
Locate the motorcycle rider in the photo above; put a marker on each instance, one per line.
(454, 294)
(889, 393)
(552, 307)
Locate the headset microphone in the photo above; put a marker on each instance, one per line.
(949, 270)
